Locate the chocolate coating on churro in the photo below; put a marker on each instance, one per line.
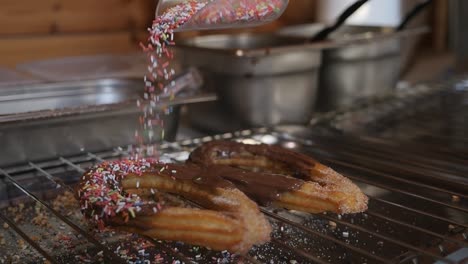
(280, 160)
(102, 196)
(121, 194)
(262, 187)
(292, 180)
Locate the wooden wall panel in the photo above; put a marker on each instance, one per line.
(41, 29)
(71, 16)
(84, 27)
(440, 25)
(22, 49)
(300, 11)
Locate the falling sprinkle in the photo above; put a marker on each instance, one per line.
(160, 53)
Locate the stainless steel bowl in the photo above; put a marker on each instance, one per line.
(359, 62)
(261, 80)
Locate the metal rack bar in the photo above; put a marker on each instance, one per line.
(71, 164)
(309, 148)
(433, 172)
(456, 207)
(50, 177)
(396, 221)
(422, 230)
(391, 240)
(27, 238)
(298, 251)
(377, 145)
(441, 153)
(108, 254)
(95, 157)
(397, 190)
(418, 211)
(332, 239)
(385, 164)
(399, 179)
(402, 159)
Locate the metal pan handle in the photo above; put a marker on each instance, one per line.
(412, 14)
(324, 33)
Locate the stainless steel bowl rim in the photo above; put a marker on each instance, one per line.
(354, 39)
(251, 52)
(250, 55)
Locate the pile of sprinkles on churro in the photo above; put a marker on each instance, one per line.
(102, 197)
(192, 14)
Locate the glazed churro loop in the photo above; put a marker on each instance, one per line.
(292, 180)
(136, 196)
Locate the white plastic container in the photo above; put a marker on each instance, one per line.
(221, 14)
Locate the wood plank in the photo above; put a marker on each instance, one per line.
(300, 11)
(71, 16)
(23, 49)
(440, 25)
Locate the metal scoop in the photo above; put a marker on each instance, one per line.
(219, 14)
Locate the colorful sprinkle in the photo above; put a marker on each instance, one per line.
(101, 194)
(190, 14)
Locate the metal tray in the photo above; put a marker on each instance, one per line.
(261, 79)
(81, 68)
(38, 121)
(11, 77)
(352, 64)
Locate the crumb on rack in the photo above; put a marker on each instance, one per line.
(65, 201)
(41, 219)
